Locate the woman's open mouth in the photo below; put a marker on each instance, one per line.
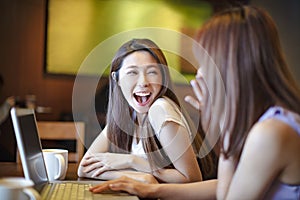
(142, 98)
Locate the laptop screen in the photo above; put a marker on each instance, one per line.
(29, 145)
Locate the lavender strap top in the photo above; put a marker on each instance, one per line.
(278, 190)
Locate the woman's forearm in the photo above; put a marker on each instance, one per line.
(171, 176)
(139, 163)
(164, 175)
(197, 190)
(114, 174)
(108, 175)
(98, 164)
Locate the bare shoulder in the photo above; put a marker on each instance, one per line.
(272, 132)
(272, 139)
(277, 142)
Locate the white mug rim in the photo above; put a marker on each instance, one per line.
(15, 182)
(55, 150)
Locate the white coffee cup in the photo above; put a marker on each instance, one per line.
(56, 161)
(12, 188)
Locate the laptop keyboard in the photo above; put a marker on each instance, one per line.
(67, 191)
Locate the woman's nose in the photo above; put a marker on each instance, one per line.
(142, 81)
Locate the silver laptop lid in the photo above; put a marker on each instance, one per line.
(29, 145)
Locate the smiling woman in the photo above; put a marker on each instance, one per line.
(140, 80)
(147, 136)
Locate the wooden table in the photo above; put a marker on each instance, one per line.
(15, 169)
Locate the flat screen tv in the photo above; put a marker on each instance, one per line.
(83, 35)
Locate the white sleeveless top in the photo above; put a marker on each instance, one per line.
(161, 111)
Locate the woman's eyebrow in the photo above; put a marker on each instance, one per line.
(131, 67)
(152, 65)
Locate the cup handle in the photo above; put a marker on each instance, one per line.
(32, 193)
(61, 166)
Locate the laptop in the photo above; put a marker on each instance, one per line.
(34, 168)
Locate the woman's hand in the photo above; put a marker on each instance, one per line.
(200, 91)
(126, 184)
(196, 103)
(202, 100)
(97, 163)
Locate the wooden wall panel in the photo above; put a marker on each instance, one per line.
(22, 39)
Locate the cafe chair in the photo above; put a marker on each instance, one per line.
(66, 135)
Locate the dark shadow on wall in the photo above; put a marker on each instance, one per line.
(8, 144)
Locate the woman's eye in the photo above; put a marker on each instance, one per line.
(152, 72)
(131, 73)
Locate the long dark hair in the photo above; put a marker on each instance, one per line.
(244, 44)
(121, 118)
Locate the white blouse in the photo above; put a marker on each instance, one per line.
(161, 111)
